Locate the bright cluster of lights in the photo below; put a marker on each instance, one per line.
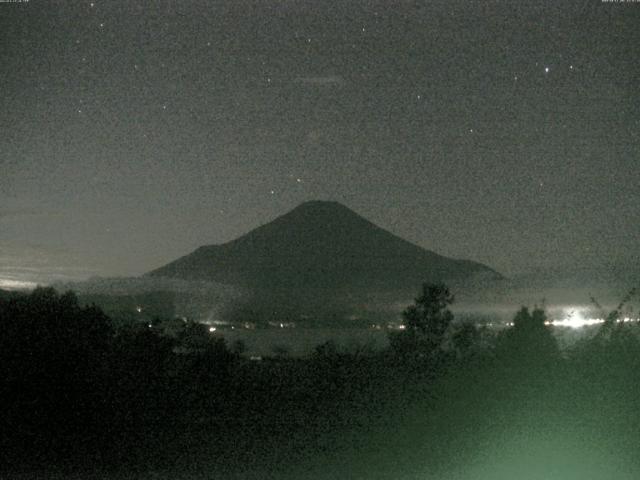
(585, 322)
(574, 322)
(574, 318)
(571, 318)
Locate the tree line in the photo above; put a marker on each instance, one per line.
(77, 391)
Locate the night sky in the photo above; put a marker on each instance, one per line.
(134, 132)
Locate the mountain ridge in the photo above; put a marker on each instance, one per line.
(320, 244)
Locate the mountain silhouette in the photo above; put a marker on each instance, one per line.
(320, 245)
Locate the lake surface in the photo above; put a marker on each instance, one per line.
(299, 342)
(302, 341)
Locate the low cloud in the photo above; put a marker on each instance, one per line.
(11, 284)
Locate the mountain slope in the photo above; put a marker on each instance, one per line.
(320, 245)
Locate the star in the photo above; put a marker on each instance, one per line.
(102, 25)
(546, 69)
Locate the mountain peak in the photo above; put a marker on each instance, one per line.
(319, 207)
(323, 204)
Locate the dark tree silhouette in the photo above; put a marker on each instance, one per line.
(529, 340)
(466, 338)
(52, 365)
(327, 349)
(238, 347)
(615, 344)
(426, 321)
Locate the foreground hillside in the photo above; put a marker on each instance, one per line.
(84, 400)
